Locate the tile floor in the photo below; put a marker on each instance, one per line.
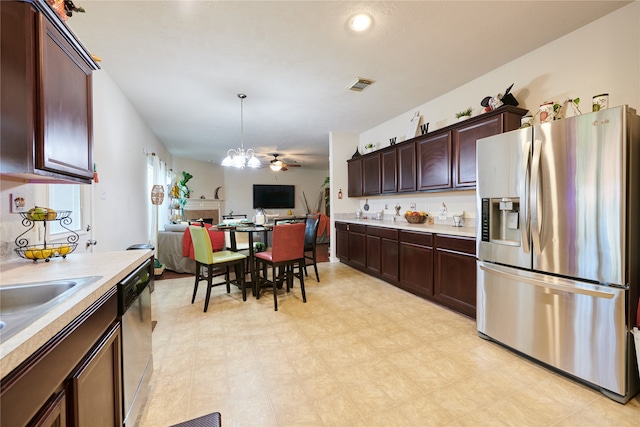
(360, 352)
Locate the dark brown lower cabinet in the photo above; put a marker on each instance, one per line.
(54, 413)
(382, 252)
(74, 378)
(357, 245)
(342, 241)
(351, 244)
(416, 263)
(95, 385)
(441, 268)
(373, 253)
(455, 273)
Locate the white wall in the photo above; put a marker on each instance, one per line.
(238, 191)
(121, 197)
(206, 177)
(603, 56)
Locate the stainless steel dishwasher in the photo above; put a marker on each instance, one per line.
(137, 360)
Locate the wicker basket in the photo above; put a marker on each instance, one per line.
(157, 271)
(417, 219)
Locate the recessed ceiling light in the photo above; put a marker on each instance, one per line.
(360, 22)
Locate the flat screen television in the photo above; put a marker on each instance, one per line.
(274, 196)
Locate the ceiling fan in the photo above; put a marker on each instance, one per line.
(278, 165)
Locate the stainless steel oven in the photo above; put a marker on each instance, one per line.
(137, 361)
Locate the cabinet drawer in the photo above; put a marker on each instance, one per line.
(465, 245)
(341, 226)
(387, 233)
(425, 239)
(357, 228)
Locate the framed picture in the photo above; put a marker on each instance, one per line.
(413, 126)
(18, 203)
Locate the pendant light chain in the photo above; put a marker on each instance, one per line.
(242, 96)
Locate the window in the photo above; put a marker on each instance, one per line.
(66, 197)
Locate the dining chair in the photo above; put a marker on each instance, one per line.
(286, 252)
(310, 242)
(208, 260)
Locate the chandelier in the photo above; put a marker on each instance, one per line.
(239, 158)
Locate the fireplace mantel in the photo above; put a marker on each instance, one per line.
(204, 208)
(203, 204)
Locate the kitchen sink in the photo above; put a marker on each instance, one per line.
(23, 304)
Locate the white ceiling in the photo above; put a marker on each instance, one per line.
(182, 63)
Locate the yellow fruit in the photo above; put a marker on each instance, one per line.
(423, 213)
(51, 214)
(37, 254)
(29, 254)
(37, 214)
(408, 212)
(46, 253)
(63, 250)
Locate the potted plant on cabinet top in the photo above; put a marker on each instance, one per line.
(465, 114)
(369, 148)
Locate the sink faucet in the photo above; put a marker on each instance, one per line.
(397, 208)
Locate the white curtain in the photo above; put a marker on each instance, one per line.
(157, 174)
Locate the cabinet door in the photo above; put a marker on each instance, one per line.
(342, 241)
(389, 175)
(371, 174)
(389, 259)
(54, 413)
(406, 154)
(464, 140)
(416, 263)
(64, 143)
(434, 162)
(373, 254)
(357, 249)
(354, 177)
(95, 386)
(455, 273)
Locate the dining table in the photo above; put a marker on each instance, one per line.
(251, 230)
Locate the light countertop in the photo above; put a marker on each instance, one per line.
(112, 266)
(401, 224)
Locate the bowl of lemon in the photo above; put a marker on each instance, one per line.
(46, 252)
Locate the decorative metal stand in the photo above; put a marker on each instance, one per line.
(46, 251)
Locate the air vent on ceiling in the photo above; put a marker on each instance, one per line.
(360, 84)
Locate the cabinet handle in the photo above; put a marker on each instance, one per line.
(91, 242)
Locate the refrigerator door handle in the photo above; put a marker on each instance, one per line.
(536, 198)
(562, 285)
(525, 230)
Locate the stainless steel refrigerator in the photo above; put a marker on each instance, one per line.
(558, 245)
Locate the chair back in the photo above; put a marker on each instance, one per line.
(311, 230)
(288, 242)
(203, 253)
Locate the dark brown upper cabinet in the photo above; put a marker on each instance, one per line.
(438, 161)
(406, 154)
(354, 177)
(389, 171)
(371, 175)
(434, 162)
(46, 106)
